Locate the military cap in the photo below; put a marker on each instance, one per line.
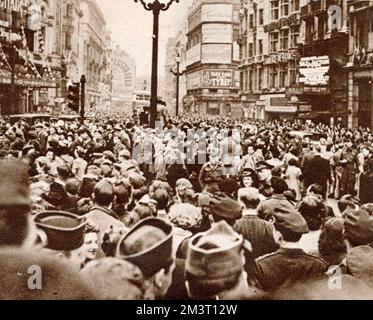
(64, 231)
(125, 153)
(215, 254)
(358, 227)
(109, 155)
(115, 279)
(225, 207)
(183, 183)
(263, 165)
(104, 187)
(148, 245)
(15, 185)
(248, 172)
(60, 281)
(136, 179)
(290, 219)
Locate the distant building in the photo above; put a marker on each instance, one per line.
(123, 79)
(213, 78)
(360, 64)
(269, 38)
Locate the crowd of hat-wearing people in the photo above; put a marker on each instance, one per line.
(204, 208)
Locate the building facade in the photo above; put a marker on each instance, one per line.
(324, 51)
(123, 80)
(29, 72)
(93, 57)
(269, 39)
(360, 64)
(212, 75)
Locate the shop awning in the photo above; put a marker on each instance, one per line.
(314, 115)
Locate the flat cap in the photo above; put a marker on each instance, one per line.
(225, 207)
(290, 219)
(104, 187)
(109, 155)
(64, 231)
(136, 179)
(358, 227)
(215, 254)
(359, 262)
(148, 245)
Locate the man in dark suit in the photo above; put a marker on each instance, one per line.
(317, 171)
(290, 263)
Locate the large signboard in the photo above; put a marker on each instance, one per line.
(217, 53)
(194, 55)
(217, 78)
(217, 33)
(314, 71)
(193, 80)
(217, 12)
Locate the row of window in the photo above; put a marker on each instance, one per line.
(277, 77)
(278, 41)
(282, 8)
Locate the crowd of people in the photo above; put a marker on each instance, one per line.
(197, 208)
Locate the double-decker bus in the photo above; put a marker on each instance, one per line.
(140, 99)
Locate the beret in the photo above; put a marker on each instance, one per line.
(215, 254)
(359, 262)
(225, 207)
(248, 172)
(64, 231)
(148, 245)
(115, 279)
(358, 227)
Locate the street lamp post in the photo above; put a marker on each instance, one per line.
(156, 6)
(177, 74)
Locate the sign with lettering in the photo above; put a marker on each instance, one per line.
(314, 71)
(217, 78)
(217, 12)
(11, 5)
(217, 53)
(216, 33)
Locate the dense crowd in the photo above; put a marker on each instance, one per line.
(198, 208)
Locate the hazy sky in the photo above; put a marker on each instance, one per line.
(131, 26)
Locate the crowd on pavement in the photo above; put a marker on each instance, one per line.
(197, 208)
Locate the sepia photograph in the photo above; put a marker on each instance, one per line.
(186, 150)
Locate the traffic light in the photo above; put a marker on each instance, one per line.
(73, 96)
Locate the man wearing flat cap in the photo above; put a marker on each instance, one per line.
(225, 208)
(148, 245)
(289, 263)
(215, 265)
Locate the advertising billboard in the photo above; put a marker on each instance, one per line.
(217, 12)
(217, 53)
(193, 80)
(217, 33)
(217, 78)
(314, 71)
